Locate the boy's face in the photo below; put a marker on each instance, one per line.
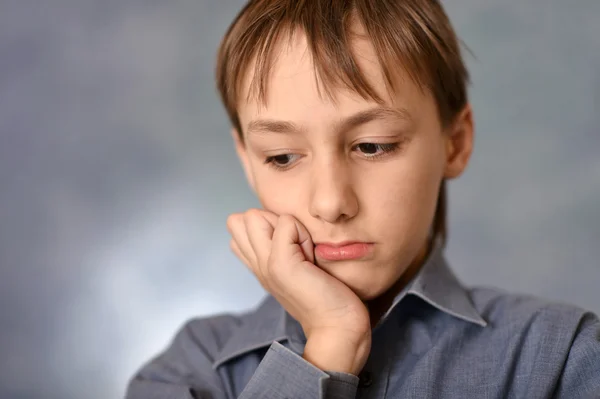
(374, 178)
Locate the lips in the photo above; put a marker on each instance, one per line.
(348, 250)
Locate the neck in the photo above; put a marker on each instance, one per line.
(378, 306)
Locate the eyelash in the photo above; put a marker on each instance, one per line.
(386, 149)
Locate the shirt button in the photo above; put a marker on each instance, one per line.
(365, 379)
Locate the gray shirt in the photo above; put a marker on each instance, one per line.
(438, 340)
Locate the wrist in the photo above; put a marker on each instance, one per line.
(339, 353)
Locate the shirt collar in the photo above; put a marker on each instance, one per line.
(435, 284)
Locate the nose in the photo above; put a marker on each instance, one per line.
(332, 198)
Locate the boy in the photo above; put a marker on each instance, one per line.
(348, 118)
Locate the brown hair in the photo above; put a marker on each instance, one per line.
(413, 33)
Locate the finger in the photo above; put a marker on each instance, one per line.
(292, 241)
(305, 241)
(237, 229)
(289, 268)
(260, 234)
(236, 250)
(271, 217)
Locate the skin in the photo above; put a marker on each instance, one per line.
(332, 188)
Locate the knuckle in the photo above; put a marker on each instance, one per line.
(256, 220)
(232, 221)
(252, 213)
(266, 285)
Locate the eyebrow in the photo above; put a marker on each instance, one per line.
(360, 118)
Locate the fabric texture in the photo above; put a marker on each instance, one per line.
(438, 340)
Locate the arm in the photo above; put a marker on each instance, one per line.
(581, 373)
(284, 374)
(185, 371)
(280, 252)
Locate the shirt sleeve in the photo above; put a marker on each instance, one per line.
(581, 373)
(185, 371)
(284, 374)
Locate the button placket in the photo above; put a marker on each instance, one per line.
(365, 379)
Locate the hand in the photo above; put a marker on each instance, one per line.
(280, 253)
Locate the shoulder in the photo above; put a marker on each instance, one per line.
(198, 345)
(209, 334)
(500, 307)
(227, 335)
(535, 328)
(555, 344)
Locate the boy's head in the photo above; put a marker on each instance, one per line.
(350, 116)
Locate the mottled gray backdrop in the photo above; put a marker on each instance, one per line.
(117, 175)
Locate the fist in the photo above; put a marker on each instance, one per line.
(280, 253)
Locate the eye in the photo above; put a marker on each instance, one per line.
(281, 161)
(376, 150)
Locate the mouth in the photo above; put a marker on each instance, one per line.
(347, 250)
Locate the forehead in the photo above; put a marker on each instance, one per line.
(296, 92)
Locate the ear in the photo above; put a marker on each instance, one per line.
(459, 143)
(240, 149)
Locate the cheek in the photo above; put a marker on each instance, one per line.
(406, 203)
(278, 196)
(405, 193)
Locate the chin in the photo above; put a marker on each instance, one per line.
(365, 289)
(367, 297)
(361, 277)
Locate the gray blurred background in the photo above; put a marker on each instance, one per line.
(117, 175)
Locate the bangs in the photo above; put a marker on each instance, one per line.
(399, 31)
